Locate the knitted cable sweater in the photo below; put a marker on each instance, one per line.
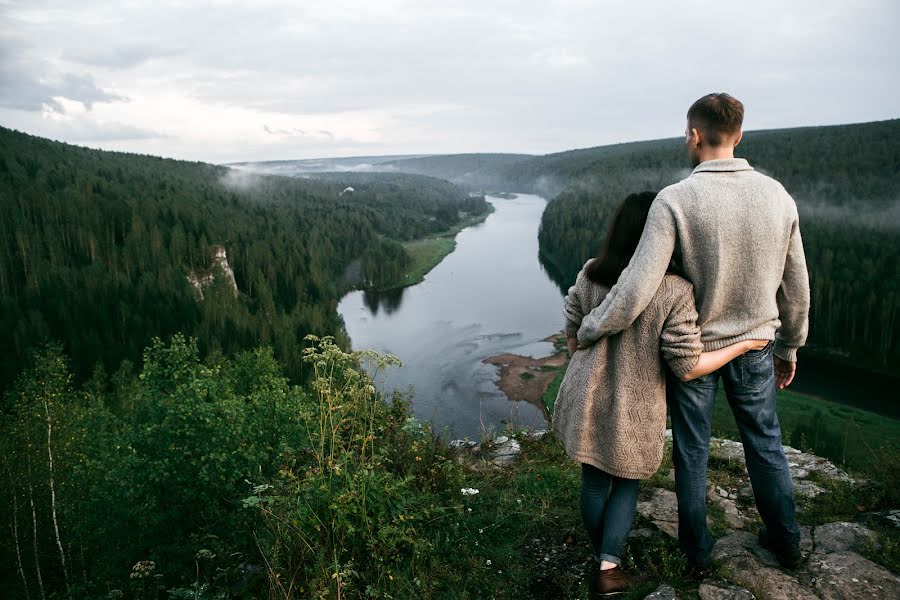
(734, 233)
(611, 408)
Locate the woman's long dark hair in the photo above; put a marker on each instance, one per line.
(622, 240)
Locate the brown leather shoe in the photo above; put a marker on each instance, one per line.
(613, 581)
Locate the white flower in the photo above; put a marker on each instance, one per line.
(488, 562)
(469, 491)
(469, 509)
(481, 531)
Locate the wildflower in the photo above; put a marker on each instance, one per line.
(469, 491)
(481, 531)
(488, 562)
(469, 509)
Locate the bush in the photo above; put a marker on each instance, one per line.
(351, 507)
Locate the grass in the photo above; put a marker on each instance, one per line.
(526, 521)
(850, 437)
(427, 253)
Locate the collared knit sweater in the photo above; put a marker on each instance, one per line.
(611, 408)
(734, 233)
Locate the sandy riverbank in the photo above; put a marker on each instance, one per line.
(526, 378)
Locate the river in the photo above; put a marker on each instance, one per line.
(491, 296)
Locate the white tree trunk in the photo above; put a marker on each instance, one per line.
(15, 524)
(37, 560)
(62, 554)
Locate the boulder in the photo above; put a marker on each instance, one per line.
(504, 452)
(720, 590)
(849, 576)
(838, 537)
(662, 510)
(663, 592)
(742, 566)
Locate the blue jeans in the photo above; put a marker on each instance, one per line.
(750, 387)
(607, 508)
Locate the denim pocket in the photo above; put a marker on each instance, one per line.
(701, 380)
(757, 368)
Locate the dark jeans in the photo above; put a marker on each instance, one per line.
(750, 387)
(607, 508)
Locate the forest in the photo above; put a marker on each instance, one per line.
(844, 178)
(169, 429)
(97, 248)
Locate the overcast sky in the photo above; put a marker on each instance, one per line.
(226, 81)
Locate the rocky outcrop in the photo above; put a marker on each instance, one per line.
(802, 465)
(501, 451)
(203, 279)
(833, 570)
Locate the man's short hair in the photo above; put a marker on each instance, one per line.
(715, 116)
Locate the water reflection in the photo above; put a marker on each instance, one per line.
(389, 300)
(550, 270)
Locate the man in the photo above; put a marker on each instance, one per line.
(734, 233)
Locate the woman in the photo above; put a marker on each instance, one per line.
(610, 413)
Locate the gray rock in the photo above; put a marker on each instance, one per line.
(662, 509)
(500, 440)
(741, 565)
(461, 444)
(802, 464)
(537, 434)
(733, 516)
(663, 592)
(720, 590)
(838, 537)
(849, 576)
(504, 453)
(807, 489)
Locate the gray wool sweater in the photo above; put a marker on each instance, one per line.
(734, 234)
(610, 411)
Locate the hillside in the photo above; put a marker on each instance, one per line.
(98, 247)
(844, 179)
(470, 171)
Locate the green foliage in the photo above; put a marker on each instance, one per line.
(351, 507)
(158, 483)
(96, 248)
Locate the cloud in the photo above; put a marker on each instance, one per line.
(227, 80)
(126, 56)
(33, 84)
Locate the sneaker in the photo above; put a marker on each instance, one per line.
(612, 582)
(788, 556)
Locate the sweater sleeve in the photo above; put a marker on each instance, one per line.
(680, 337)
(638, 282)
(793, 299)
(572, 306)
